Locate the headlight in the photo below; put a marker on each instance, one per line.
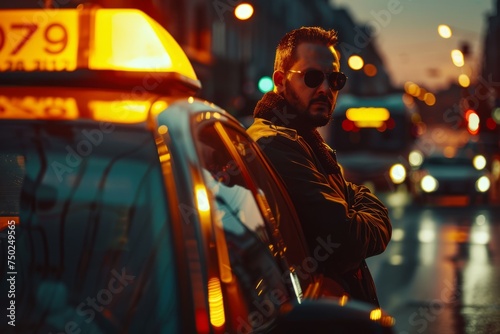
(415, 158)
(429, 184)
(479, 162)
(483, 184)
(397, 173)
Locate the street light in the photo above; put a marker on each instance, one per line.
(355, 62)
(457, 57)
(444, 31)
(464, 80)
(460, 55)
(243, 11)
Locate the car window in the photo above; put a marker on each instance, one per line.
(281, 207)
(92, 244)
(258, 279)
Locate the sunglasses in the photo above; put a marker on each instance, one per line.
(314, 78)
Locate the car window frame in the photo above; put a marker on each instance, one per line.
(229, 122)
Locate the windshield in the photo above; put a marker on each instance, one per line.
(91, 248)
(444, 161)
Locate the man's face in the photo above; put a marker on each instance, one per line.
(314, 105)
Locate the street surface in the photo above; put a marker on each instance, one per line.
(441, 271)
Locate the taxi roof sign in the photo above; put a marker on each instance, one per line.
(124, 41)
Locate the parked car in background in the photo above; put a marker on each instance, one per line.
(373, 137)
(129, 205)
(461, 174)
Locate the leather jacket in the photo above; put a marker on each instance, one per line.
(347, 217)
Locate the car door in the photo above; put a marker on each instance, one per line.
(266, 253)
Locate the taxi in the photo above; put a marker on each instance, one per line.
(127, 204)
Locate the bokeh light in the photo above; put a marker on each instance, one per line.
(444, 31)
(355, 62)
(463, 80)
(370, 70)
(243, 11)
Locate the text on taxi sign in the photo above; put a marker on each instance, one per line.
(30, 46)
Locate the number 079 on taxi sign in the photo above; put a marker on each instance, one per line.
(35, 40)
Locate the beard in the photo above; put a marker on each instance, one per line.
(305, 118)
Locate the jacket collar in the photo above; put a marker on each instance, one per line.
(263, 128)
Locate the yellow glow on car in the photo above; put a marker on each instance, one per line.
(120, 111)
(38, 107)
(162, 129)
(202, 198)
(343, 300)
(216, 303)
(397, 173)
(368, 116)
(296, 285)
(130, 40)
(158, 107)
(225, 269)
(376, 314)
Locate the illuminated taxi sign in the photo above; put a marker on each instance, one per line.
(125, 40)
(47, 104)
(131, 40)
(34, 40)
(368, 116)
(120, 111)
(38, 107)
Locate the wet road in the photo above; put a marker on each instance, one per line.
(441, 271)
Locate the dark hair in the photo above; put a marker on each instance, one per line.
(286, 52)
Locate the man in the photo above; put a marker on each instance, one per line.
(352, 220)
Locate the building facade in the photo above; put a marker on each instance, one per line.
(488, 90)
(231, 55)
